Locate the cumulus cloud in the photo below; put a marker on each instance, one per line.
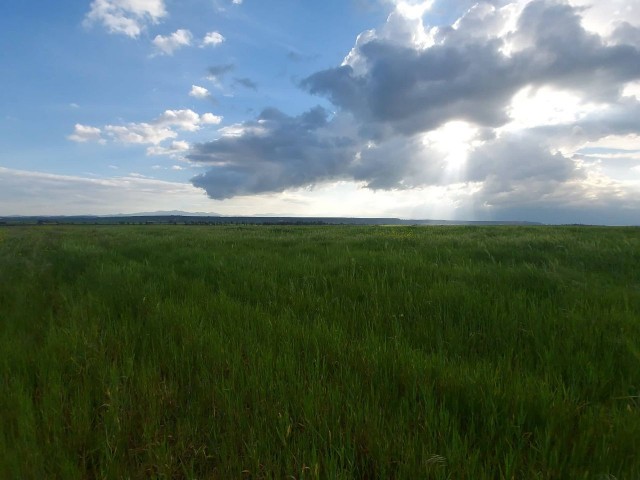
(200, 93)
(126, 17)
(468, 77)
(166, 45)
(174, 149)
(84, 133)
(502, 100)
(210, 119)
(163, 128)
(213, 39)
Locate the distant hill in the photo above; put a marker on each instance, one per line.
(187, 218)
(168, 213)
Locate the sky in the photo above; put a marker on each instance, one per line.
(442, 109)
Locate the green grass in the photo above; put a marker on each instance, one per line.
(320, 352)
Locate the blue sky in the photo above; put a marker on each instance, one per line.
(512, 110)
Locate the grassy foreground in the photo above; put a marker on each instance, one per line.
(320, 352)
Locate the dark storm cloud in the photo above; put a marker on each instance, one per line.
(565, 55)
(468, 78)
(414, 91)
(272, 153)
(403, 163)
(627, 34)
(519, 157)
(556, 202)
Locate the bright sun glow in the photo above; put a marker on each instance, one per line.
(545, 106)
(455, 139)
(632, 90)
(413, 9)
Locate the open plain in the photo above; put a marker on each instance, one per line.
(319, 352)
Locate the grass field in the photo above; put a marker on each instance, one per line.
(320, 352)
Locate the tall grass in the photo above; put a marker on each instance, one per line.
(320, 352)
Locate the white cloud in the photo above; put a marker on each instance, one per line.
(212, 38)
(85, 133)
(239, 130)
(140, 133)
(412, 9)
(170, 43)
(211, 119)
(176, 148)
(126, 17)
(237, 2)
(186, 120)
(614, 142)
(150, 133)
(199, 92)
(602, 16)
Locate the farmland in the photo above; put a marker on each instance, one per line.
(319, 352)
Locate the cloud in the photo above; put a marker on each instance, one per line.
(84, 133)
(496, 108)
(246, 83)
(466, 76)
(175, 149)
(213, 39)
(200, 93)
(125, 17)
(153, 133)
(625, 33)
(37, 193)
(166, 45)
(210, 119)
(594, 199)
(412, 9)
(217, 72)
(298, 57)
(274, 152)
(511, 156)
(604, 16)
